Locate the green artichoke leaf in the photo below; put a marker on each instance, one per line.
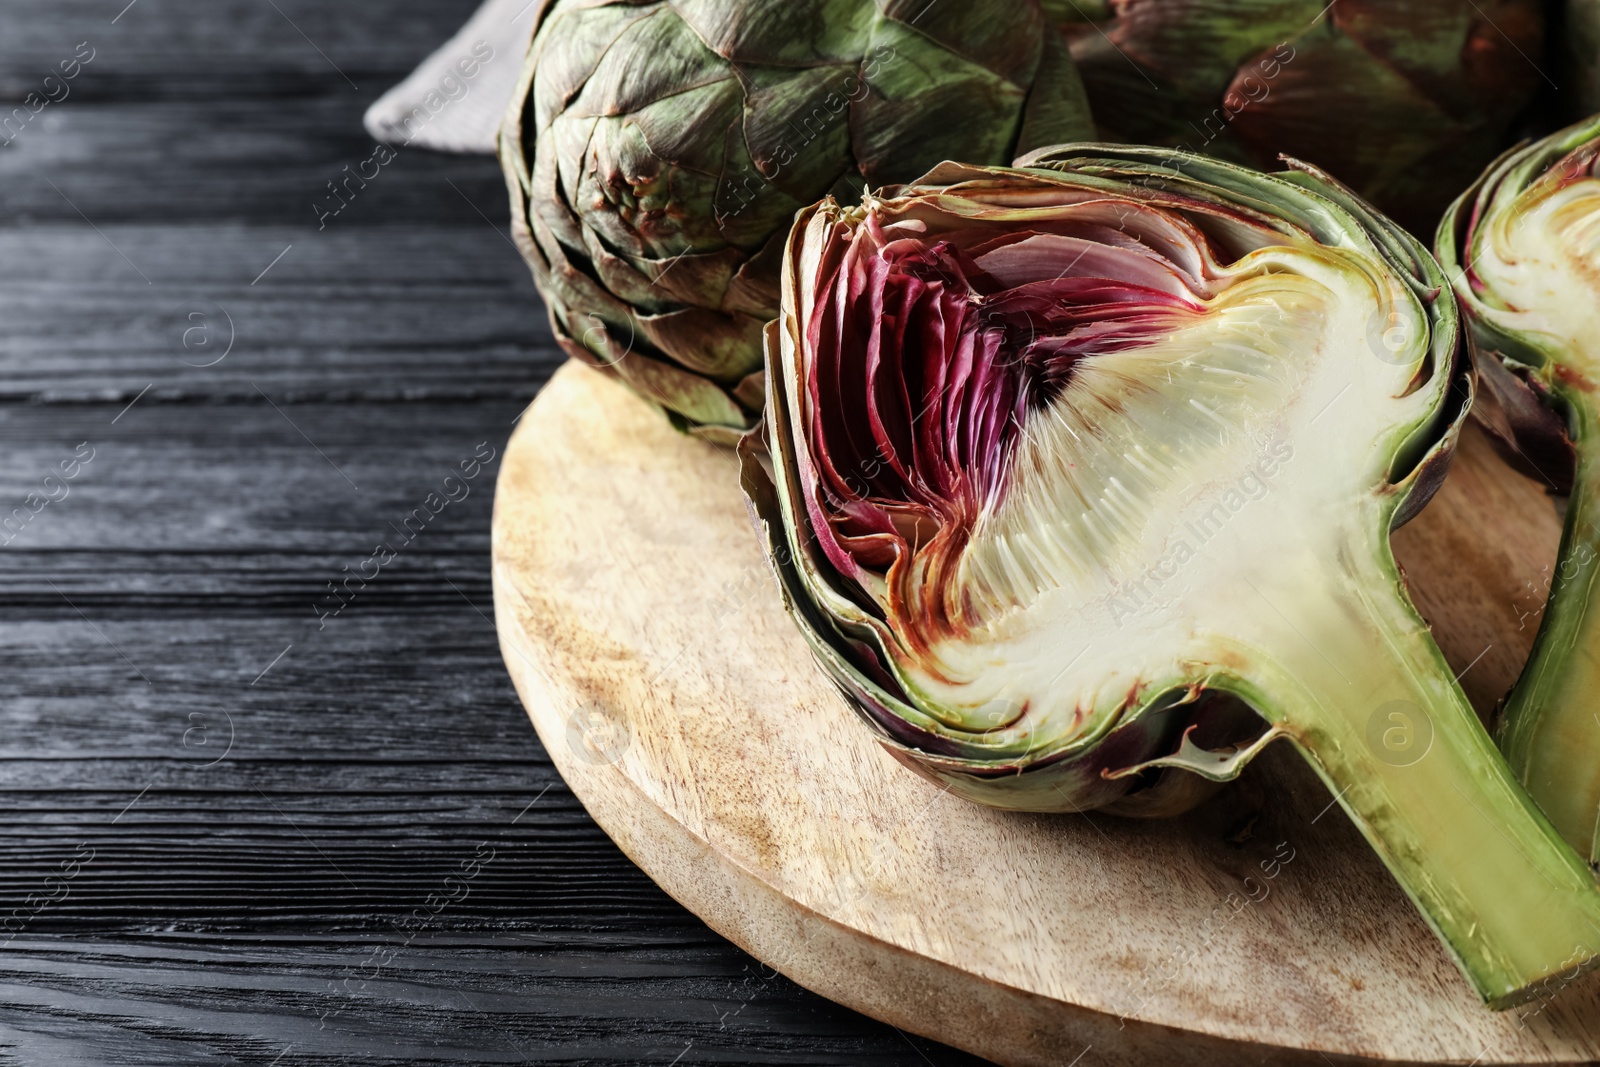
(656, 286)
(1336, 91)
(927, 105)
(1456, 56)
(1581, 58)
(1198, 46)
(795, 34)
(562, 59)
(796, 132)
(1007, 47)
(663, 209)
(1404, 100)
(542, 182)
(1058, 103)
(705, 341)
(652, 58)
(1070, 12)
(700, 402)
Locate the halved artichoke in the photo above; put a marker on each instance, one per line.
(656, 153)
(1522, 247)
(1057, 451)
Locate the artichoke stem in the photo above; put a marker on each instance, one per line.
(1550, 731)
(1360, 686)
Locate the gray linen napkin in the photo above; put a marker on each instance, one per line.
(454, 100)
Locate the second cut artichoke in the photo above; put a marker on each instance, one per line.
(1523, 249)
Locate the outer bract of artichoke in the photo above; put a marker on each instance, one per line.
(1522, 247)
(1060, 454)
(1580, 90)
(1404, 100)
(656, 153)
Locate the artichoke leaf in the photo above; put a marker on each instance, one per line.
(1214, 765)
(1403, 99)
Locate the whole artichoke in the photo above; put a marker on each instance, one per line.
(1404, 100)
(1057, 451)
(656, 152)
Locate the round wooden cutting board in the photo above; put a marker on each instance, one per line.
(645, 636)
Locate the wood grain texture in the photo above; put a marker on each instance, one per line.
(391, 313)
(647, 641)
(329, 1001)
(263, 161)
(263, 909)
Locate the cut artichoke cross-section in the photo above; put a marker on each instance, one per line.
(1058, 451)
(1523, 250)
(1135, 532)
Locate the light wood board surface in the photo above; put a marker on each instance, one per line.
(644, 634)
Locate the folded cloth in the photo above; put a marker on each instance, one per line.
(454, 101)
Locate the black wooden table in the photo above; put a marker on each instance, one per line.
(241, 827)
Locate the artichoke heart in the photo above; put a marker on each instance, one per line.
(1072, 460)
